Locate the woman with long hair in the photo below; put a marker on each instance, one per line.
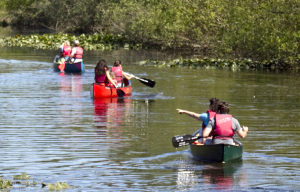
(102, 75)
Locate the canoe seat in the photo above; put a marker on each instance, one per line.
(125, 82)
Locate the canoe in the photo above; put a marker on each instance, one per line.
(216, 153)
(101, 91)
(69, 68)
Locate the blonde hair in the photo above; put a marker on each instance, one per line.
(112, 74)
(67, 43)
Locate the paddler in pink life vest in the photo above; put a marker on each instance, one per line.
(76, 54)
(223, 127)
(118, 71)
(65, 50)
(204, 117)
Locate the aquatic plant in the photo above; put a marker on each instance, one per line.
(5, 184)
(8, 184)
(210, 63)
(59, 186)
(53, 41)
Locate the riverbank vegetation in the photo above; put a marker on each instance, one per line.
(260, 31)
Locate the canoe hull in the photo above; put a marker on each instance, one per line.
(100, 91)
(216, 153)
(70, 68)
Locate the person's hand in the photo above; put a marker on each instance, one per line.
(245, 129)
(180, 111)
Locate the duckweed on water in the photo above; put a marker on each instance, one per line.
(7, 184)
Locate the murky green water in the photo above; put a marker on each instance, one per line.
(52, 130)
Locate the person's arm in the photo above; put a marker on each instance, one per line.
(189, 113)
(61, 48)
(206, 132)
(72, 54)
(126, 76)
(110, 79)
(243, 133)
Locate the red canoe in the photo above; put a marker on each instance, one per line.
(101, 91)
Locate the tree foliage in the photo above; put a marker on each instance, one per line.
(259, 29)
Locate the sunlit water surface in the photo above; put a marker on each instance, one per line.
(52, 130)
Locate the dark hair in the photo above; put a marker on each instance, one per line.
(101, 68)
(223, 107)
(214, 104)
(117, 63)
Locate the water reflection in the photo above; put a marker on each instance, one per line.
(70, 92)
(109, 112)
(216, 176)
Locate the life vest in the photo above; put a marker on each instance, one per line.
(101, 79)
(66, 51)
(223, 127)
(211, 114)
(79, 53)
(118, 73)
(111, 85)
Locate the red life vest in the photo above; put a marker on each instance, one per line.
(223, 127)
(118, 73)
(211, 114)
(66, 51)
(79, 53)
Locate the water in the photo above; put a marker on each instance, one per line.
(52, 130)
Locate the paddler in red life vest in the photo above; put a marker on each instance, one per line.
(76, 54)
(65, 50)
(204, 117)
(118, 71)
(223, 126)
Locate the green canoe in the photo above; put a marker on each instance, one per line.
(216, 153)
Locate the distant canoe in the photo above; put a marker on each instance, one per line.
(101, 91)
(216, 153)
(69, 68)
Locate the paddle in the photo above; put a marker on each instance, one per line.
(120, 93)
(148, 82)
(180, 141)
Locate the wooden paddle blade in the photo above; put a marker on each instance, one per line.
(180, 141)
(147, 82)
(120, 93)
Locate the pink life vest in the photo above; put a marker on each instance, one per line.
(211, 114)
(79, 53)
(101, 79)
(111, 85)
(118, 73)
(66, 51)
(223, 127)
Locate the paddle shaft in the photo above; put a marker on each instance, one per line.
(145, 81)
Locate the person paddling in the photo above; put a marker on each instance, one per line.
(205, 117)
(102, 74)
(65, 52)
(223, 127)
(119, 73)
(76, 54)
